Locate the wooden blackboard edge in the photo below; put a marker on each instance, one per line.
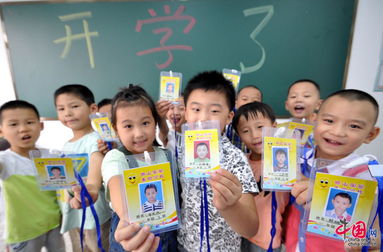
(345, 74)
(6, 44)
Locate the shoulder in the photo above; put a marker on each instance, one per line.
(113, 155)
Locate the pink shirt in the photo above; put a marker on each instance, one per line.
(263, 205)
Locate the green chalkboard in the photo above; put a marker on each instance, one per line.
(106, 45)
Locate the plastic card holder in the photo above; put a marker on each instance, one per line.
(201, 145)
(232, 75)
(55, 169)
(302, 131)
(170, 86)
(280, 160)
(150, 191)
(101, 123)
(340, 207)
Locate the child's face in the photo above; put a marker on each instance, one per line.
(281, 158)
(21, 128)
(56, 173)
(206, 106)
(74, 112)
(151, 195)
(250, 131)
(341, 204)
(107, 109)
(343, 126)
(202, 151)
(169, 88)
(248, 95)
(297, 134)
(176, 114)
(136, 128)
(303, 99)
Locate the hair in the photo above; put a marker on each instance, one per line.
(356, 95)
(280, 151)
(131, 96)
(78, 90)
(18, 104)
(149, 186)
(316, 85)
(55, 168)
(211, 81)
(202, 144)
(104, 102)
(344, 195)
(253, 109)
(250, 86)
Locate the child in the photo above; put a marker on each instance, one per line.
(209, 96)
(341, 202)
(303, 99)
(32, 216)
(281, 158)
(202, 151)
(105, 106)
(152, 203)
(74, 103)
(345, 121)
(248, 94)
(248, 121)
(56, 172)
(245, 95)
(134, 117)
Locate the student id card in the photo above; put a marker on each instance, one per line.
(299, 131)
(54, 173)
(170, 86)
(201, 152)
(150, 197)
(341, 207)
(279, 163)
(104, 127)
(232, 75)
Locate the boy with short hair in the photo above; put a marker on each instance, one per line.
(345, 121)
(303, 99)
(209, 96)
(245, 95)
(248, 121)
(105, 106)
(74, 103)
(341, 202)
(20, 125)
(152, 203)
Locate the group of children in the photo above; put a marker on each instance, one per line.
(239, 211)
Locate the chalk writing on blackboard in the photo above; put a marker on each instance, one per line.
(87, 35)
(269, 9)
(168, 32)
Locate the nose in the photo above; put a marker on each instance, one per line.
(67, 112)
(23, 127)
(337, 129)
(204, 116)
(138, 132)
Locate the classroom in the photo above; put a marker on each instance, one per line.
(357, 67)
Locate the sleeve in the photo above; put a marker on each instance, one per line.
(113, 164)
(242, 170)
(93, 143)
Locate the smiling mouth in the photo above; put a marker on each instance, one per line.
(26, 137)
(332, 142)
(299, 108)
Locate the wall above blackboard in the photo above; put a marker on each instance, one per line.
(106, 45)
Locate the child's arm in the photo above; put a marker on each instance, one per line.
(236, 207)
(300, 191)
(162, 108)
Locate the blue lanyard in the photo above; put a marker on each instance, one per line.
(274, 207)
(85, 194)
(204, 212)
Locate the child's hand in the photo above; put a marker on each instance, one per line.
(134, 238)
(227, 189)
(163, 107)
(300, 191)
(103, 147)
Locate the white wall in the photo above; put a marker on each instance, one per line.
(363, 65)
(364, 61)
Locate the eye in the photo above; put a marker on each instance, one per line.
(195, 109)
(215, 111)
(12, 124)
(60, 109)
(328, 120)
(128, 126)
(260, 127)
(307, 96)
(293, 97)
(355, 126)
(31, 122)
(146, 123)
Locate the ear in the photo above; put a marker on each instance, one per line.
(372, 135)
(275, 124)
(286, 106)
(93, 108)
(229, 117)
(319, 104)
(41, 126)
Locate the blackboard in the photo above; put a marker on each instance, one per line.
(273, 42)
